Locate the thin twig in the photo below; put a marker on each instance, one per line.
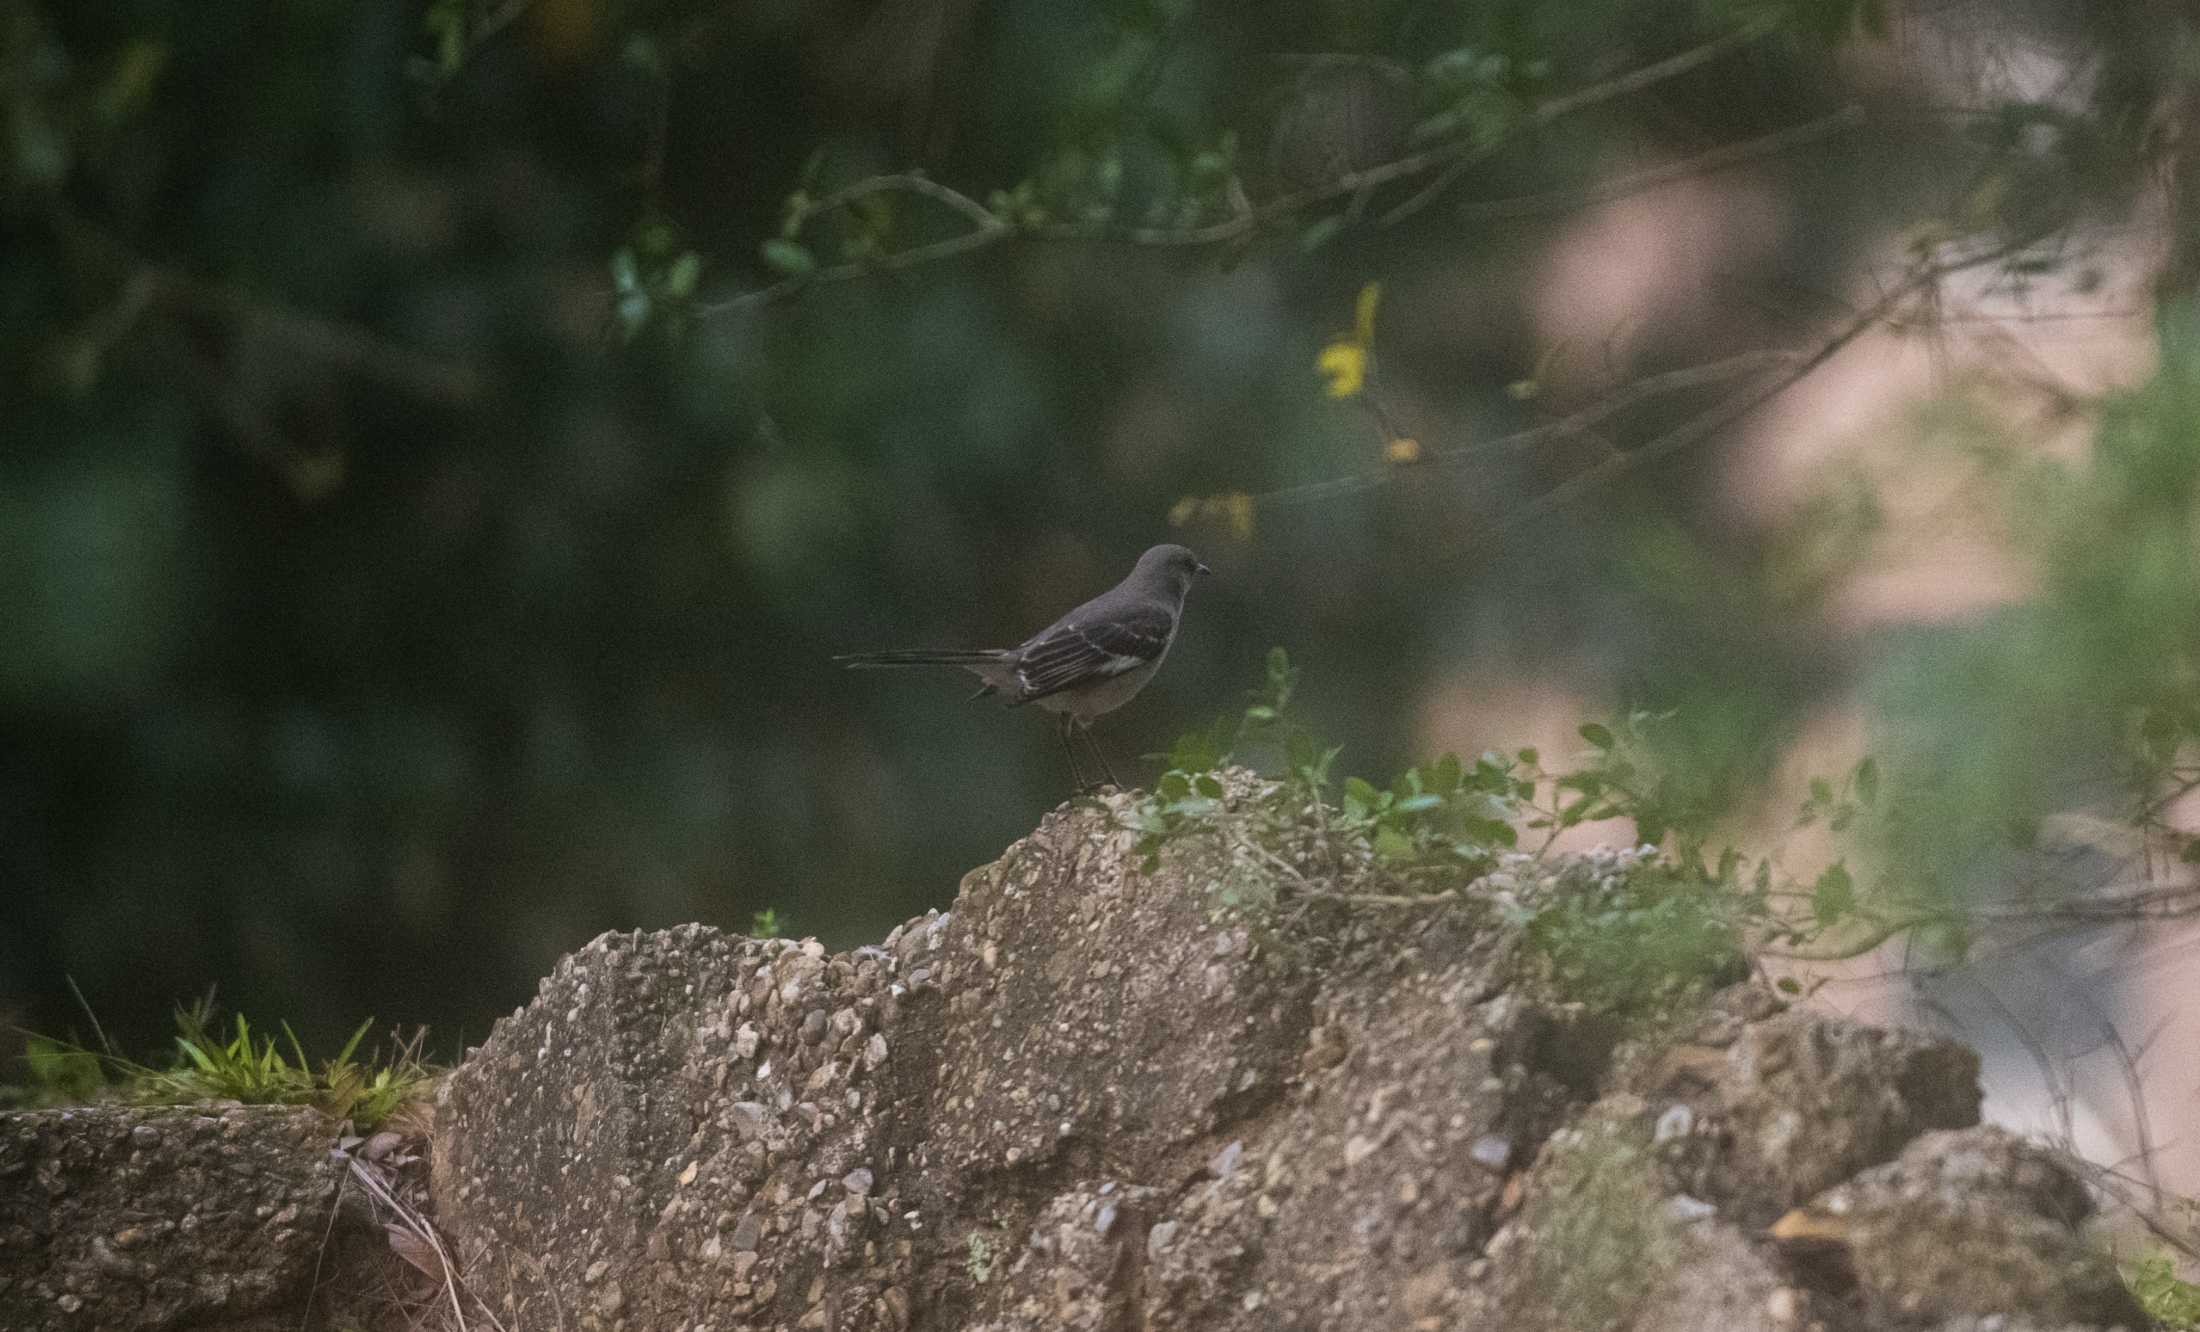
(1558, 107)
(1725, 413)
(988, 229)
(148, 286)
(426, 1231)
(1570, 426)
(2127, 1064)
(1648, 178)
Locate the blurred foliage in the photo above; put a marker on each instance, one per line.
(2173, 1303)
(447, 440)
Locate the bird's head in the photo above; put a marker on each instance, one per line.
(1172, 565)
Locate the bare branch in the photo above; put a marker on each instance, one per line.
(1718, 417)
(1577, 424)
(147, 287)
(986, 229)
(1593, 95)
(1635, 182)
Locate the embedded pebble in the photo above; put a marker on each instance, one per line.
(1677, 1122)
(1491, 1151)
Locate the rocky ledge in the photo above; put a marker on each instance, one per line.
(1087, 1098)
(1090, 1098)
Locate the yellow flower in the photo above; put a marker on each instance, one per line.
(1363, 314)
(1402, 452)
(1345, 363)
(1345, 359)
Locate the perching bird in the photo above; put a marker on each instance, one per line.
(1089, 662)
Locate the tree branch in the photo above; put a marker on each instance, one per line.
(1734, 408)
(1635, 182)
(1575, 425)
(988, 229)
(1593, 95)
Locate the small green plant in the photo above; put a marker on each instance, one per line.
(766, 924)
(1631, 932)
(1418, 834)
(54, 1073)
(238, 1064)
(2173, 1303)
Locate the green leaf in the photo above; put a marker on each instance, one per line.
(196, 1055)
(1789, 985)
(1321, 233)
(1493, 832)
(789, 257)
(1359, 795)
(1422, 803)
(680, 280)
(1597, 735)
(1208, 785)
(1529, 757)
(1867, 781)
(1833, 897)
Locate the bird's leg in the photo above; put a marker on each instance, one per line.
(1069, 747)
(1092, 742)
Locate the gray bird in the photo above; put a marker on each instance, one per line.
(1088, 663)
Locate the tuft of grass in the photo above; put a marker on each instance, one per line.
(2173, 1303)
(233, 1062)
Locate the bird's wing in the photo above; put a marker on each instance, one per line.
(1077, 650)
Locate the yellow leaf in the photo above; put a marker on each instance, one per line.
(1233, 509)
(1240, 508)
(1345, 363)
(1363, 321)
(1402, 451)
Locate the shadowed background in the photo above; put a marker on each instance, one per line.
(417, 556)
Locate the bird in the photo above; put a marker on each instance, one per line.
(1088, 663)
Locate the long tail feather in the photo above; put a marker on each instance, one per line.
(919, 657)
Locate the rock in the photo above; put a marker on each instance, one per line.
(122, 1218)
(1798, 1101)
(1111, 1102)
(1974, 1222)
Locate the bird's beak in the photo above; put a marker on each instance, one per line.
(1201, 568)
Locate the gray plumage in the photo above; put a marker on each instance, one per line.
(1088, 663)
